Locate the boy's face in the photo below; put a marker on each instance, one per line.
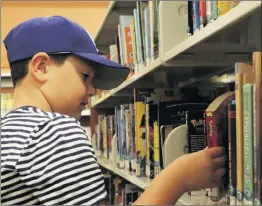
(67, 87)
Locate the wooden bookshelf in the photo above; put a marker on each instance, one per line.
(191, 54)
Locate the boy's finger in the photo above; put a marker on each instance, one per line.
(219, 162)
(216, 152)
(219, 173)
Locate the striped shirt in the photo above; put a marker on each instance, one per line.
(47, 159)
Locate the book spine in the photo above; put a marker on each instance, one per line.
(248, 143)
(133, 43)
(258, 129)
(210, 126)
(202, 13)
(156, 149)
(232, 153)
(155, 28)
(196, 18)
(209, 11)
(239, 133)
(147, 36)
(128, 140)
(190, 14)
(147, 142)
(133, 144)
(223, 7)
(214, 9)
(138, 39)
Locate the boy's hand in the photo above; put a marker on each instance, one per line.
(201, 170)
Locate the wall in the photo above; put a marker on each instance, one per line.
(89, 14)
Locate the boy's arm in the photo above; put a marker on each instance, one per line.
(194, 171)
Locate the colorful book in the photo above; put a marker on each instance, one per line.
(248, 143)
(217, 131)
(232, 154)
(257, 128)
(240, 70)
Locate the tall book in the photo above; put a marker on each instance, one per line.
(217, 131)
(151, 117)
(232, 154)
(196, 15)
(140, 132)
(202, 13)
(240, 70)
(257, 128)
(248, 142)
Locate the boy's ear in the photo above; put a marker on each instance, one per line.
(38, 66)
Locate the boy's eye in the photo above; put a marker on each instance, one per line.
(85, 76)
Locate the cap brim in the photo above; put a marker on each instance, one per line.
(108, 74)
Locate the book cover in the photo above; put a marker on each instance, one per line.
(217, 131)
(196, 135)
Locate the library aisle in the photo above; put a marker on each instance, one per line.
(195, 81)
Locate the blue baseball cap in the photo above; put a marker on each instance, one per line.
(57, 34)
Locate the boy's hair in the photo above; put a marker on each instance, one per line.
(19, 69)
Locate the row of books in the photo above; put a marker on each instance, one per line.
(161, 125)
(6, 103)
(137, 43)
(119, 191)
(139, 36)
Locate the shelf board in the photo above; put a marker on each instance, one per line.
(189, 58)
(5, 74)
(131, 80)
(141, 182)
(85, 113)
(233, 16)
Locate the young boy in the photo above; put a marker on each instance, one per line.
(46, 157)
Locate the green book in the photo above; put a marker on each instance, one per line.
(248, 143)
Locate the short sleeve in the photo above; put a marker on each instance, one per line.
(59, 166)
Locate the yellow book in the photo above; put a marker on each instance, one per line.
(257, 128)
(240, 69)
(156, 149)
(140, 136)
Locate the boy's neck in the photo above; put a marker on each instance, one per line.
(30, 97)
